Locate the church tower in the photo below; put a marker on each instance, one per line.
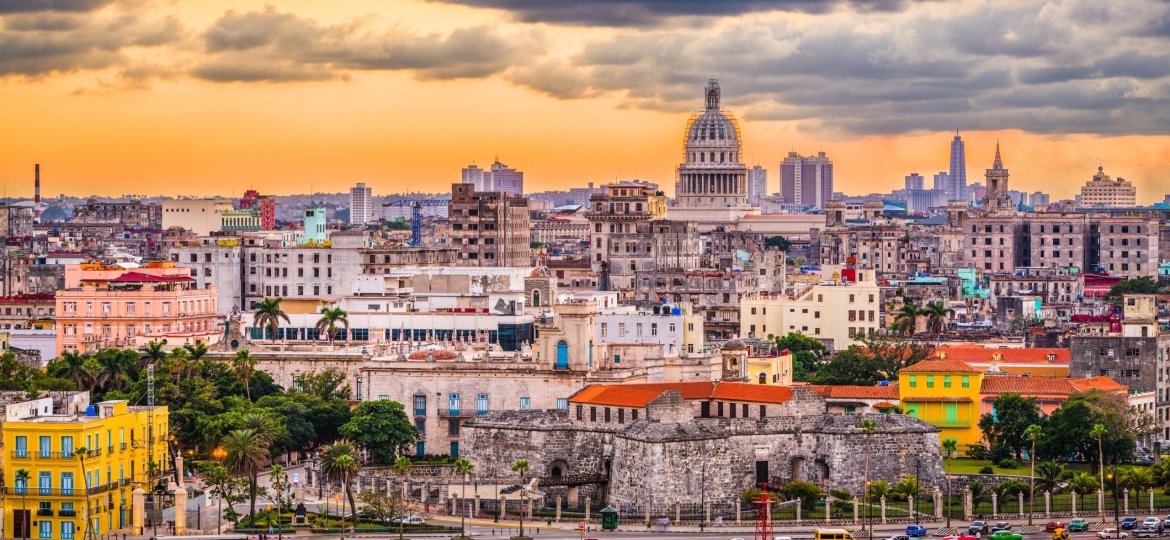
(997, 198)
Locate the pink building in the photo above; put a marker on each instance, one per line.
(110, 307)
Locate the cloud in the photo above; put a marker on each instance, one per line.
(26, 6)
(652, 12)
(282, 47)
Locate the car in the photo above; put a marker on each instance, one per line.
(1005, 534)
(1078, 525)
(1143, 532)
(1053, 525)
(1151, 523)
(915, 530)
(1110, 532)
(1001, 526)
(1166, 523)
(960, 537)
(412, 520)
(978, 527)
(1128, 523)
(781, 538)
(899, 537)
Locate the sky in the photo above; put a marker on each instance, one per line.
(204, 97)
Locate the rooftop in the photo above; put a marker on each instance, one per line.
(640, 395)
(940, 366)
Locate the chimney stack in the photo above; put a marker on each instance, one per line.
(37, 195)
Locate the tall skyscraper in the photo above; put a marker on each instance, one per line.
(505, 179)
(807, 180)
(958, 174)
(361, 204)
(757, 184)
(941, 181)
(474, 175)
(915, 182)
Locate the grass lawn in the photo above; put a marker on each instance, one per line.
(1023, 468)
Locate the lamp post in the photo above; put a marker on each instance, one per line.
(268, 512)
(219, 453)
(1112, 476)
(496, 481)
(337, 499)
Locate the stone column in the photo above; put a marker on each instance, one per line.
(1151, 492)
(503, 507)
(1073, 499)
(883, 502)
(1047, 504)
(828, 514)
(1125, 498)
(677, 513)
(180, 510)
(994, 505)
(588, 505)
(138, 511)
(938, 503)
(856, 512)
(910, 506)
(528, 501)
(426, 488)
(798, 511)
(477, 503)
(707, 513)
(647, 510)
(558, 507)
(968, 506)
(1021, 503)
(179, 470)
(738, 509)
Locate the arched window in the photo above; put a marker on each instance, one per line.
(535, 297)
(481, 404)
(562, 355)
(763, 378)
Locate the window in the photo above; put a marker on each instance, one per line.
(951, 410)
(946, 381)
(913, 381)
(67, 447)
(592, 414)
(607, 415)
(930, 381)
(420, 405)
(966, 381)
(525, 403)
(45, 482)
(580, 412)
(67, 526)
(45, 446)
(46, 528)
(563, 405)
(453, 404)
(21, 446)
(481, 404)
(66, 483)
(453, 428)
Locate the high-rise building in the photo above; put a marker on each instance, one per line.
(957, 178)
(757, 184)
(915, 182)
(489, 228)
(265, 204)
(712, 175)
(941, 180)
(1038, 198)
(505, 179)
(474, 175)
(1104, 192)
(807, 181)
(361, 204)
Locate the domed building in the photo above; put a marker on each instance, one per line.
(712, 174)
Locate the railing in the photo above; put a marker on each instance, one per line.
(67, 513)
(110, 449)
(574, 480)
(121, 447)
(64, 492)
(446, 412)
(45, 512)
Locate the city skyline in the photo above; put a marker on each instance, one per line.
(180, 102)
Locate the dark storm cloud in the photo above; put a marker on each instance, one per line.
(281, 47)
(27, 6)
(651, 12)
(38, 44)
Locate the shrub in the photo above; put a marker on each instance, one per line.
(977, 451)
(987, 470)
(1009, 464)
(842, 494)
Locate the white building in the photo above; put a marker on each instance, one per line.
(1105, 192)
(361, 204)
(473, 175)
(757, 184)
(835, 310)
(674, 330)
(200, 216)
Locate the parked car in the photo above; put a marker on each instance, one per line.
(1166, 523)
(899, 537)
(1152, 523)
(1078, 525)
(1005, 534)
(915, 530)
(979, 527)
(1110, 532)
(960, 537)
(1053, 525)
(1001, 526)
(1142, 532)
(1128, 523)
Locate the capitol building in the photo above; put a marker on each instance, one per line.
(712, 185)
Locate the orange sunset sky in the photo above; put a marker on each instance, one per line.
(213, 97)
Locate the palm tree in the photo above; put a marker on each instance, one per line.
(195, 353)
(339, 460)
(979, 493)
(110, 374)
(906, 318)
(1050, 474)
(868, 427)
(1098, 432)
(463, 467)
(950, 447)
(153, 351)
(71, 365)
(246, 452)
(330, 318)
(521, 467)
(243, 365)
(1032, 433)
(936, 317)
(1084, 484)
(22, 482)
(1139, 479)
(268, 315)
(878, 489)
(260, 423)
(83, 453)
(402, 467)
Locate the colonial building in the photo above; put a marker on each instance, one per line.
(1103, 191)
(844, 306)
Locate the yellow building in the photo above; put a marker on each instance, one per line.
(47, 491)
(944, 393)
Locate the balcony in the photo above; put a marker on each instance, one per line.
(67, 513)
(26, 454)
(446, 412)
(45, 512)
(110, 449)
(121, 447)
(65, 492)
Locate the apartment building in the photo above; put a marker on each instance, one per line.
(489, 228)
(844, 305)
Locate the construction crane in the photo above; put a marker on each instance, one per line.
(415, 219)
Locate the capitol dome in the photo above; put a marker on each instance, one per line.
(712, 174)
(713, 128)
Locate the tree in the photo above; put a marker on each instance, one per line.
(330, 318)
(877, 490)
(520, 467)
(808, 354)
(904, 489)
(936, 314)
(979, 492)
(1049, 475)
(1067, 434)
(195, 354)
(950, 447)
(402, 467)
(1084, 484)
(778, 242)
(807, 493)
(382, 428)
(1141, 285)
(1009, 488)
(153, 351)
(268, 314)
(278, 479)
(463, 467)
(22, 485)
(72, 365)
(382, 506)
(878, 358)
(1098, 432)
(340, 460)
(1013, 415)
(327, 384)
(1032, 433)
(246, 452)
(1139, 479)
(243, 365)
(906, 318)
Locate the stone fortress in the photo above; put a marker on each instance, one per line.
(668, 443)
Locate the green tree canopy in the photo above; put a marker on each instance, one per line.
(1141, 285)
(1068, 432)
(778, 242)
(878, 358)
(1005, 427)
(382, 428)
(808, 354)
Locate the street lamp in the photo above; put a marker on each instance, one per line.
(219, 453)
(1116, 518)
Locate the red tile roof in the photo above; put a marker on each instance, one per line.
(857, 392)
(640, 395)
(940, 366)
(883, 405)
(976, 353)
(994, 385)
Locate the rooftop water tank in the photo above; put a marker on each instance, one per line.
(91, 411)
